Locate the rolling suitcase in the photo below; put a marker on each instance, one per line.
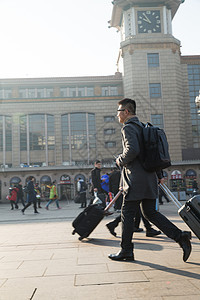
(189, 212)
(90, 217)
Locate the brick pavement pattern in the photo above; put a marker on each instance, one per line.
(40, 259)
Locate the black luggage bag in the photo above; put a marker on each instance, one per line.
(90, 217)
(189, 212)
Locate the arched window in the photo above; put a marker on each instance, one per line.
(14, 180)
(45, 179)
(79, 176)
(190, 174)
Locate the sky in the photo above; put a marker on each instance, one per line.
(62, 38)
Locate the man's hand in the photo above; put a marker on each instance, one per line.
(95, 190)
(117, 162)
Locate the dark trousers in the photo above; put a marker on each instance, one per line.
(13, 204)
(129, 210)
(22, 200)
(29, 204)
(138, 218)
(83, 199)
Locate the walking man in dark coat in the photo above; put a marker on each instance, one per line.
(140, 187)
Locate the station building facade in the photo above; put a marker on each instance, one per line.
(54, 128)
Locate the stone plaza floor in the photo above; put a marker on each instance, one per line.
(40, 259)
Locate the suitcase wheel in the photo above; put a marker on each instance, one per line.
(80, 238)
(74, 231)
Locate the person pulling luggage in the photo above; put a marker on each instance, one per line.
(140, 186)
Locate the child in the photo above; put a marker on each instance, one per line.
(12, 197)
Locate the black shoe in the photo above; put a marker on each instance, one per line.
(111, 228)
(185, 244)
(22, 212)
(122, 255)
(152, 232)
(36, 212)
(138, 230)
(161, 203)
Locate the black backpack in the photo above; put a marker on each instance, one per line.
(156, 150)
(84, 186)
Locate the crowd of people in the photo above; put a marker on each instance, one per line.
(33, 195)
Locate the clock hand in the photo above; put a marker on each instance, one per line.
(146, 18)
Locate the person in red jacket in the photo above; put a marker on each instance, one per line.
(12, 197)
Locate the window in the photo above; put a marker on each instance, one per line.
(49, 92)
(110, 144)
(113, 91)
(40, 93)
(1, 93)
(72, 92)
(65, 132)
(153, 60)
(81, 92)
(82, 131)
(194, 83)
(157, 120)
(23, 132)
(90, 91)
(109, 119)
(31, 93)
(104, 91)
(78, 131)
(155, 90)
(109, 131)
(50, 132)
(22, 93)
(37, 132)
(63, 92)
(1, 133)
(8, 133)
(7, 93)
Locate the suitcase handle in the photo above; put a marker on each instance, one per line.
(113, 200)
(167, 191)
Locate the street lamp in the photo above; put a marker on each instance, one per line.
(197, 102)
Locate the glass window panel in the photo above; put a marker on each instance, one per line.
(81, 92)
(1, 133)
(7, 93)
(90, 91)
(23, 132)
(63, 92)
(37, 132)
(49, 92)
(110, 144)
(22, 93)
(155, 90)
(113, 91)
(50, 132)
(40, 93)
(8, 133)
(109, 119)
(31, 93)
(105, 91)
(65, 132)
(72, 91)
(92, 130)
(153, 60)
(157, 120)
(109, 131)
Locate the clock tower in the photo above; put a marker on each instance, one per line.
(152, 65)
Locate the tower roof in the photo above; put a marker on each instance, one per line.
(120, 5)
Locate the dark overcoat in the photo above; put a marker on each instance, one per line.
(137, 183)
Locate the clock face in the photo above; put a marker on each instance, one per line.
(148, 21)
